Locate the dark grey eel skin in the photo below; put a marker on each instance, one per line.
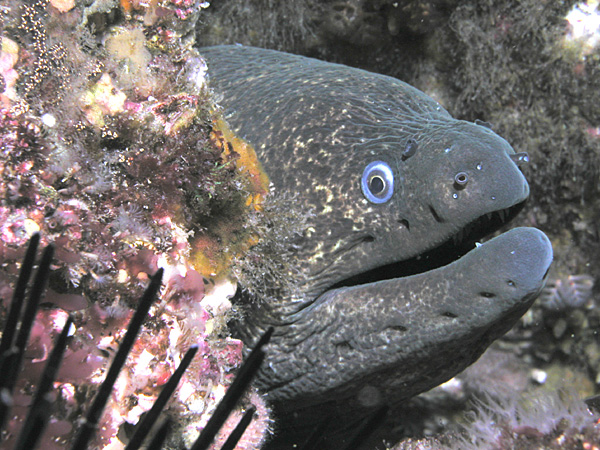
(387, 175)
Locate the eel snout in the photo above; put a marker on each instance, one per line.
(470, 171)
(511, 268)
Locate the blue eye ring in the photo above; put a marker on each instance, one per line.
(377, 182)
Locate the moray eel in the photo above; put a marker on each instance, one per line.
(395, 191)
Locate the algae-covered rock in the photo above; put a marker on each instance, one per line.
(114, 150)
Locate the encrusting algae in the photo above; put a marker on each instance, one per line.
(116, 153)
(209, 255)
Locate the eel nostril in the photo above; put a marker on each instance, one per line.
(460, 180)
(520, 158)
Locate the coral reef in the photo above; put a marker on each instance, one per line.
(112, 148)
(521, 70)
(500, 402)
(558, 420)
(18, 330)
(560, 331)
(573, 291)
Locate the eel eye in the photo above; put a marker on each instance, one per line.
(377, 182)
(460, 180)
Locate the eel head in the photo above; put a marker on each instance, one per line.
(404, 297)
(394, 294)
(388, 215)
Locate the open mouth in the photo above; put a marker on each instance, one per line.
(457, 246)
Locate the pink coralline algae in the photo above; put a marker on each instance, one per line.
(110, 153)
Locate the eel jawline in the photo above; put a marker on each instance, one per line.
(406, 335)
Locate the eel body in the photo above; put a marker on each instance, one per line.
(390, 182)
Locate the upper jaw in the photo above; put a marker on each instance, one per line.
(452, 246)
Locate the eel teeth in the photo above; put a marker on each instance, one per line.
(461, 234)
(502, 214)
(457, 238)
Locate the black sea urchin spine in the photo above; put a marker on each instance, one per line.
(14, 340)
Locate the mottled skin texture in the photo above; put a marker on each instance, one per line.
(315, 127)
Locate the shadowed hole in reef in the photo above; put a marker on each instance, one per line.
(449, 314)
